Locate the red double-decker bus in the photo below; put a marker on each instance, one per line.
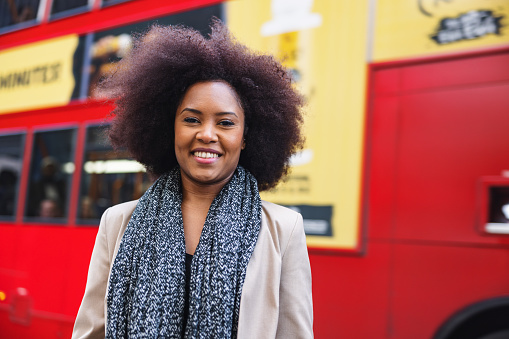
(432, 258)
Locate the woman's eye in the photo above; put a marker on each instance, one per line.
(190, 120)
(226, 123)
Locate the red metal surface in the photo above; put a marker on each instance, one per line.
(50, 262)
(429, 142)
(448, 140)
(350, 294)
(383, 140)
(431, 282)
(456, 72)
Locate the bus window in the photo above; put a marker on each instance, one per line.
(11, 150)
(112, 2)
(51, 170)
(60, 6)
(16, 12)
(108, 177)
(111, 45)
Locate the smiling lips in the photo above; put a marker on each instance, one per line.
(206, 157)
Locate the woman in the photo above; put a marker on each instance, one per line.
(200, 255)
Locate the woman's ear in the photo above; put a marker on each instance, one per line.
(243, 144)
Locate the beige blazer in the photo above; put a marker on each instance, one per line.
(276, 297)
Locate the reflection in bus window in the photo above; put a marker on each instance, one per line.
(112, 45)
(65, 5)
(14, 12)
(105, 52)
(108, 177)
(51, 170)
(11, 149)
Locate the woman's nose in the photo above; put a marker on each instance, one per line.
(207, 134)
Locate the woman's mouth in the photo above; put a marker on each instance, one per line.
(205, 155)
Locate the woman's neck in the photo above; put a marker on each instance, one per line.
(196, 201)
(193, 192)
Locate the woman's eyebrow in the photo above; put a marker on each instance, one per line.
(227, 113)
(196, 111)
(191, 110)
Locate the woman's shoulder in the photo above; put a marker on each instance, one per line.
(113, 224)
(121, 210)
(279, 213)
(282, 223)
(115, 218)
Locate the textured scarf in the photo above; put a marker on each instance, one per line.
(147, 282)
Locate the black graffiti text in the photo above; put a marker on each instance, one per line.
(471, 25)
(43, 74)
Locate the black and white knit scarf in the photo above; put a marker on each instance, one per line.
(147, 282)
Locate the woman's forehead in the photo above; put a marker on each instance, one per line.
(213, 95)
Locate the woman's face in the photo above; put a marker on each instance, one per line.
(209, 133)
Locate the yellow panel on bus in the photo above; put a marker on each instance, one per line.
(414, 28)
(37, 75)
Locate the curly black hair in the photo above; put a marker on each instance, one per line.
(150, 82)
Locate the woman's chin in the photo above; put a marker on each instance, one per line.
(206, 178)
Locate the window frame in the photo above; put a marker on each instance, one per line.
(23, 133)
(67, 218)
(69, 12)
(112, 3)
(485, 226)
(84, 222)
(41, 9)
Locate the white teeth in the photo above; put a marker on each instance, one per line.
(205, 155)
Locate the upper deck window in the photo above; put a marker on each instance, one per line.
(110, 46)
(61, 8)
(113, 2)
(11, 158)
(16, 12)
